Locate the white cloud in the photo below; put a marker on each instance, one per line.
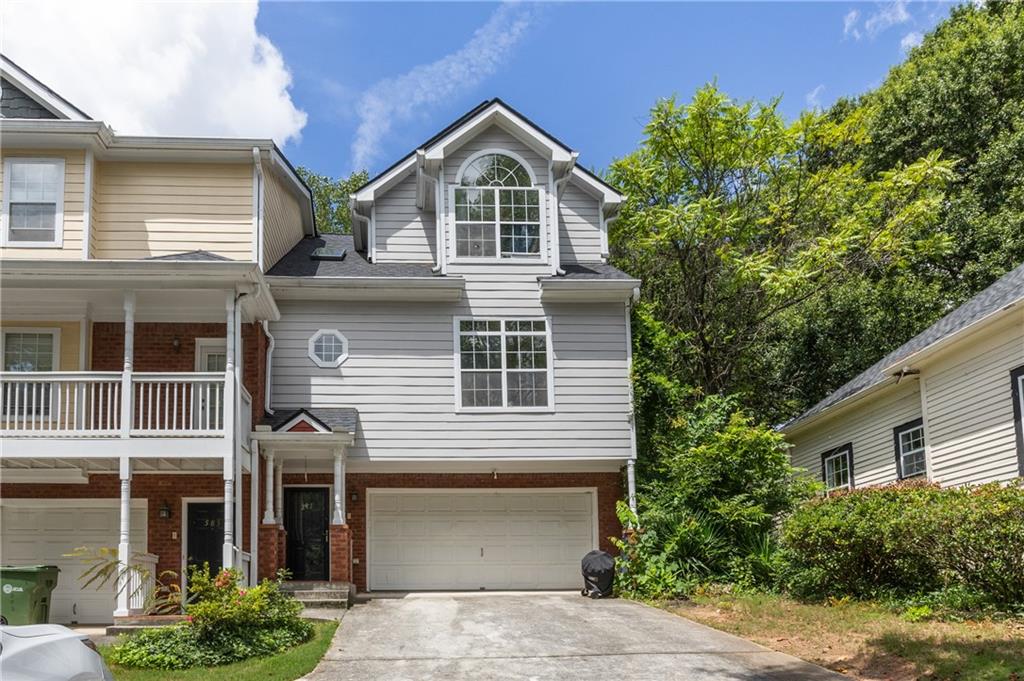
(196, 68)
(911, 40)
(398, 99)
(850, 24)
(889, 15)
(813, 98)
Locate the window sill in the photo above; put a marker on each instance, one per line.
(32, 244)
(496, 261)
(505, 410)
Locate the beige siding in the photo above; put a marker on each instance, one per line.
(282, 220)
(579, 226)
(74, 205)
(400, 375)
(151, 209)
(868, 427)
(970, 408)
(69, 339)
(403, 232)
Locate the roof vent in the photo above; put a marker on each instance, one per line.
(328, 253)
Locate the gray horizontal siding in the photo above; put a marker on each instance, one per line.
(400, 375)
(404, 233)
(579, 226)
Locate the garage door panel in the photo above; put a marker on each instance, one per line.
(474, 540)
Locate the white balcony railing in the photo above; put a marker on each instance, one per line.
(244, 417)
(89, 404)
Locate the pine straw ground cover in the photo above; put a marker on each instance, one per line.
(867, 641)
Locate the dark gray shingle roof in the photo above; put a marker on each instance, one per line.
(591, 270)
(191, 256)
(338, 419)
(298, 263)
(1003, 292)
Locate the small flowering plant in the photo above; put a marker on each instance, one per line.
(218, 602)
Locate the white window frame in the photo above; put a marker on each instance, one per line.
(5, 210)
(898, 432)
(203, 344)
(323, 364)
(52, 331)
(504, 408)
(842, 452)
(540, 258)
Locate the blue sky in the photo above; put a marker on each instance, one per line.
(377, 79)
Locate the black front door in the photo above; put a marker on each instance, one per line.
(205, 535)
(305, 521)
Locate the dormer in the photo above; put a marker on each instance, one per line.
(492, 189)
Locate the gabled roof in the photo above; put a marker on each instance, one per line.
(1005, 293)
(485, 114)
(335, 420)
(190, 256)
(33, 88)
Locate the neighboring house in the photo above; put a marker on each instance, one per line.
(193, 374)
(945, 406)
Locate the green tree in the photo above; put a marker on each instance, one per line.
(731, 224)
(330, 198)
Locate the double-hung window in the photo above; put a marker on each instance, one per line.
(497, 210)
(29, 350)
(910, 452)
(33, 203)
(504, 364)
(837, 468)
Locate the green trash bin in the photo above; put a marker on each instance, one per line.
(25, 593)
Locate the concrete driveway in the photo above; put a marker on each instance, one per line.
(541, 636)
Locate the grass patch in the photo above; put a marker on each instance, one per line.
(287, 666)
(865, 640)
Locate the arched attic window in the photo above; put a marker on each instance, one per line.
(497, 209)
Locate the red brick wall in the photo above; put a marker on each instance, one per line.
(154, 351)
(609, 491)
(302, 427)
(157, 489)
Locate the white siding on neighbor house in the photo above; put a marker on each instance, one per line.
(869, 428)
(151, 209)
(400, 375)
(579, 226)
(74, 204)
(282, 219)
(970, 408)
(403, 232)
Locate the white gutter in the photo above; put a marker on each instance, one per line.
(269, 364)
(556, 250)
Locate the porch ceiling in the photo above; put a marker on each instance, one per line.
(9, 466)
(105, 305)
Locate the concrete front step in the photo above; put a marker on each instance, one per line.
(314, 586)
(331, 604)
(320, 595)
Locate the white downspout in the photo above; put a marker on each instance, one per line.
(631, 463)
(422, 172)
(607, 225)
(269, 364)
(556, 250)
(257, 213)
(365, 220)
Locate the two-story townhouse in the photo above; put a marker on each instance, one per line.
(193, 374)
(472, 332)
(132, 311)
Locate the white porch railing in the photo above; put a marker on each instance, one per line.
(242, 561)
(141, 582)
(244, 417)
(89, 404)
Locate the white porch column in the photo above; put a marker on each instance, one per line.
(230, 452)
(124, 547)
(631, 483)
(279, 493)
(339, 487)
(229, 522)
(269, 516)
(127, 397)
(254, 511)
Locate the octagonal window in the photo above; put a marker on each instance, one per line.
(328, 348)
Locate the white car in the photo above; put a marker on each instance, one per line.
(49, 652)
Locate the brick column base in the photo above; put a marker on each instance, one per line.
(271, 551)
(341, 554)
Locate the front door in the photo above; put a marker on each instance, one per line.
(306, 522)
(205, 535)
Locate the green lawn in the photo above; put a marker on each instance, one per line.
(867, 641)
(287, 666)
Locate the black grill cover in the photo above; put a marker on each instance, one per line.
(598, 574)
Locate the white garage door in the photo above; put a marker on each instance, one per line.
(41, 531)
(459, 539)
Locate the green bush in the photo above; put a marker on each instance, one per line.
(910, 540)
(225, 623)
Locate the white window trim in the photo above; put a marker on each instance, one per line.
(312, 348)
(844, 452)
(208, 344)
(55, 332)
(5, 210)
(541, 258)
(456, 361)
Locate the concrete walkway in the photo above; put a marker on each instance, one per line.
(541, 636)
